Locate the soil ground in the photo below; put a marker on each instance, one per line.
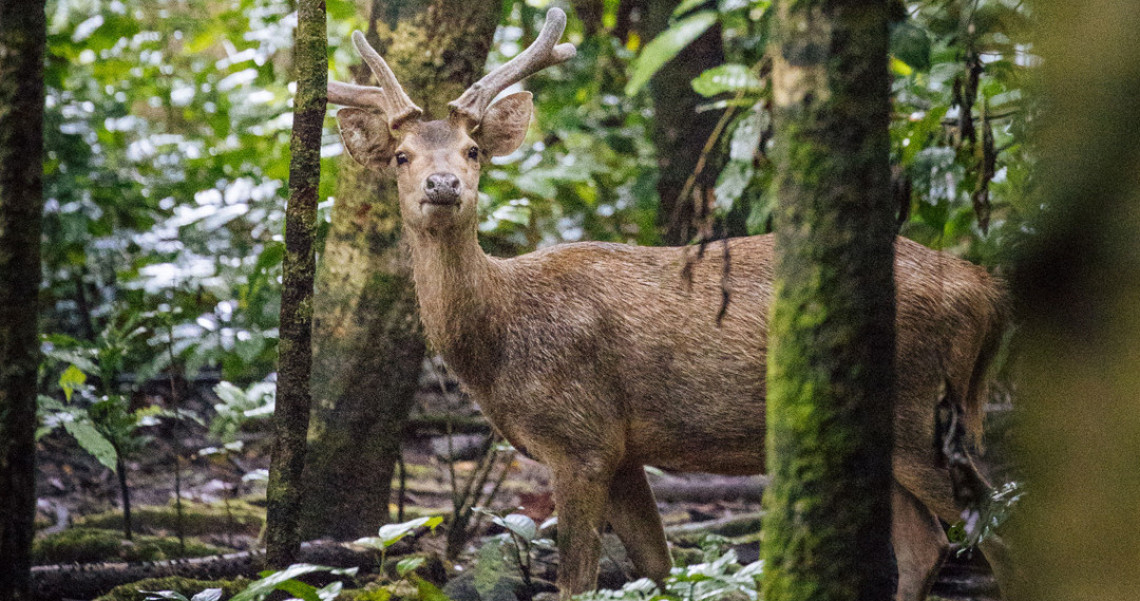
(74, 489)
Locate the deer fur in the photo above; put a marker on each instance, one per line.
(598, 359)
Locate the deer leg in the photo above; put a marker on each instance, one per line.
(997, 555)
(634, 517)
(933, 489)
(920, 545)
(580, 495)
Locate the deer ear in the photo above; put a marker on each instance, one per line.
(366, 136)
(504, 124)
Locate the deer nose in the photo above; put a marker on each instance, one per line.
(442, 188)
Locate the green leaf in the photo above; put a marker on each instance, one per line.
(520, 525)
(409, 564)
(70, 380)
(271, 580)
(174, 595)
(731, 77)
(210, 594)
(687, 6)
(731, 183)
(300, 590)
(911, 45)
(429, 591)
(92, 441)
(746, 137)
(330, 591)
(665, 46)
(390, 534)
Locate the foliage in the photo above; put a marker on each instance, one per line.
(391, 534)
(239, 406)
(271, 580)
(962, 71)
(167, 146)
(980, 523)
(521, 537)
(719, 576)
(175, 584)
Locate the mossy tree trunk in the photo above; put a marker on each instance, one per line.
(22, 34)
(291, 416)
(1077, 283)
(679, 131)
(368, 344)
(826, 534)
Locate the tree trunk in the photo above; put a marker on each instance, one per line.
(679, 131)
(1076, 283)
(832, 350)
(294, 401)
(22, 34)
(369, 346)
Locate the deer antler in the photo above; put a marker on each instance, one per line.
(540, 55)
(389, 97)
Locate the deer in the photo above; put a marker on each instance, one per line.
(598, 359)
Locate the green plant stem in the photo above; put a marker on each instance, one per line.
(125, 493)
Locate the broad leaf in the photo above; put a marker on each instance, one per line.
(664, 47)
(92, 441)
(911, 45)
(71, 380)
(409, 564)
(732, 77)
(520, 525)
(172, 595)
(390, 534)
(210, 594)
(271, 581)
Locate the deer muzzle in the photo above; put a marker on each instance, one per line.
(442, 189)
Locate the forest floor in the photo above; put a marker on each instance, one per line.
(80, 508)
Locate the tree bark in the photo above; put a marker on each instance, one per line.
(368, 343)
(832, 349)
(679, 131)
(1076, 284)
(294, 401)
(22, 38)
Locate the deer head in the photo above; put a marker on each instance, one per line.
(437, 163)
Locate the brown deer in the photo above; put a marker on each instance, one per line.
(598, 359)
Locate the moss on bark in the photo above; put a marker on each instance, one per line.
(291, 417)
(22, 34)
(831, 359)
(368, 341)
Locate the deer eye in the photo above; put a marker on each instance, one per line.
(473, 153)
(401, 158)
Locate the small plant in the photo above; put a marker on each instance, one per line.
(524, 537)
(106, 428)
(238, 407)
(391, 534)
(719, 576)
(271, 580)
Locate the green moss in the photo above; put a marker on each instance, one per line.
(372, 592)
(198, 519)
(186, 586)
(86, 545)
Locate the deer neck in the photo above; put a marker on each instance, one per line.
(458, 287)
